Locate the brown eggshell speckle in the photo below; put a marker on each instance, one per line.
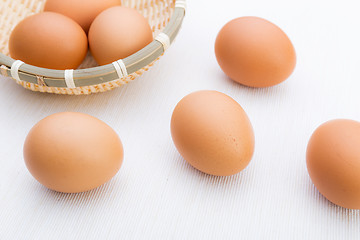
(81, 11)
(72, 152)
(333, 162)
(49, 40)
(213, 133)
(117, 33)
(255, 52)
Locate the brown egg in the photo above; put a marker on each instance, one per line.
(117, 33)
(255, 52)
(72, 152)
(49, 40)
(333, 162)
(81, 11)
(213, 133)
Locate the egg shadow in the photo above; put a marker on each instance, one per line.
(98, 196)
(280, 90)
(216, 182)
(350, 216)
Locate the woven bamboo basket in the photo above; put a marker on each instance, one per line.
(164, 16)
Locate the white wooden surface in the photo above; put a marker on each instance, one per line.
(156, 195)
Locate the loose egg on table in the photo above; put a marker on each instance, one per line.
(49, 40)
(72, 152)
(117, 33)
(333, 161)
(255, 52)
(213, 133)
(81, 11)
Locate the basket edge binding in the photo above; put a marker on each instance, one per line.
(27, 75)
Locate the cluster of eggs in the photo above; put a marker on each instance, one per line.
(59, 37)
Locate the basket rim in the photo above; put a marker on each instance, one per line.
(100, 74)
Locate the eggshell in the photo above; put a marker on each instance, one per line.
(255, 52)
(49, 40)
(81, 11)
(117, 33)
(333, 162)
(72, 152)
(213, 133)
